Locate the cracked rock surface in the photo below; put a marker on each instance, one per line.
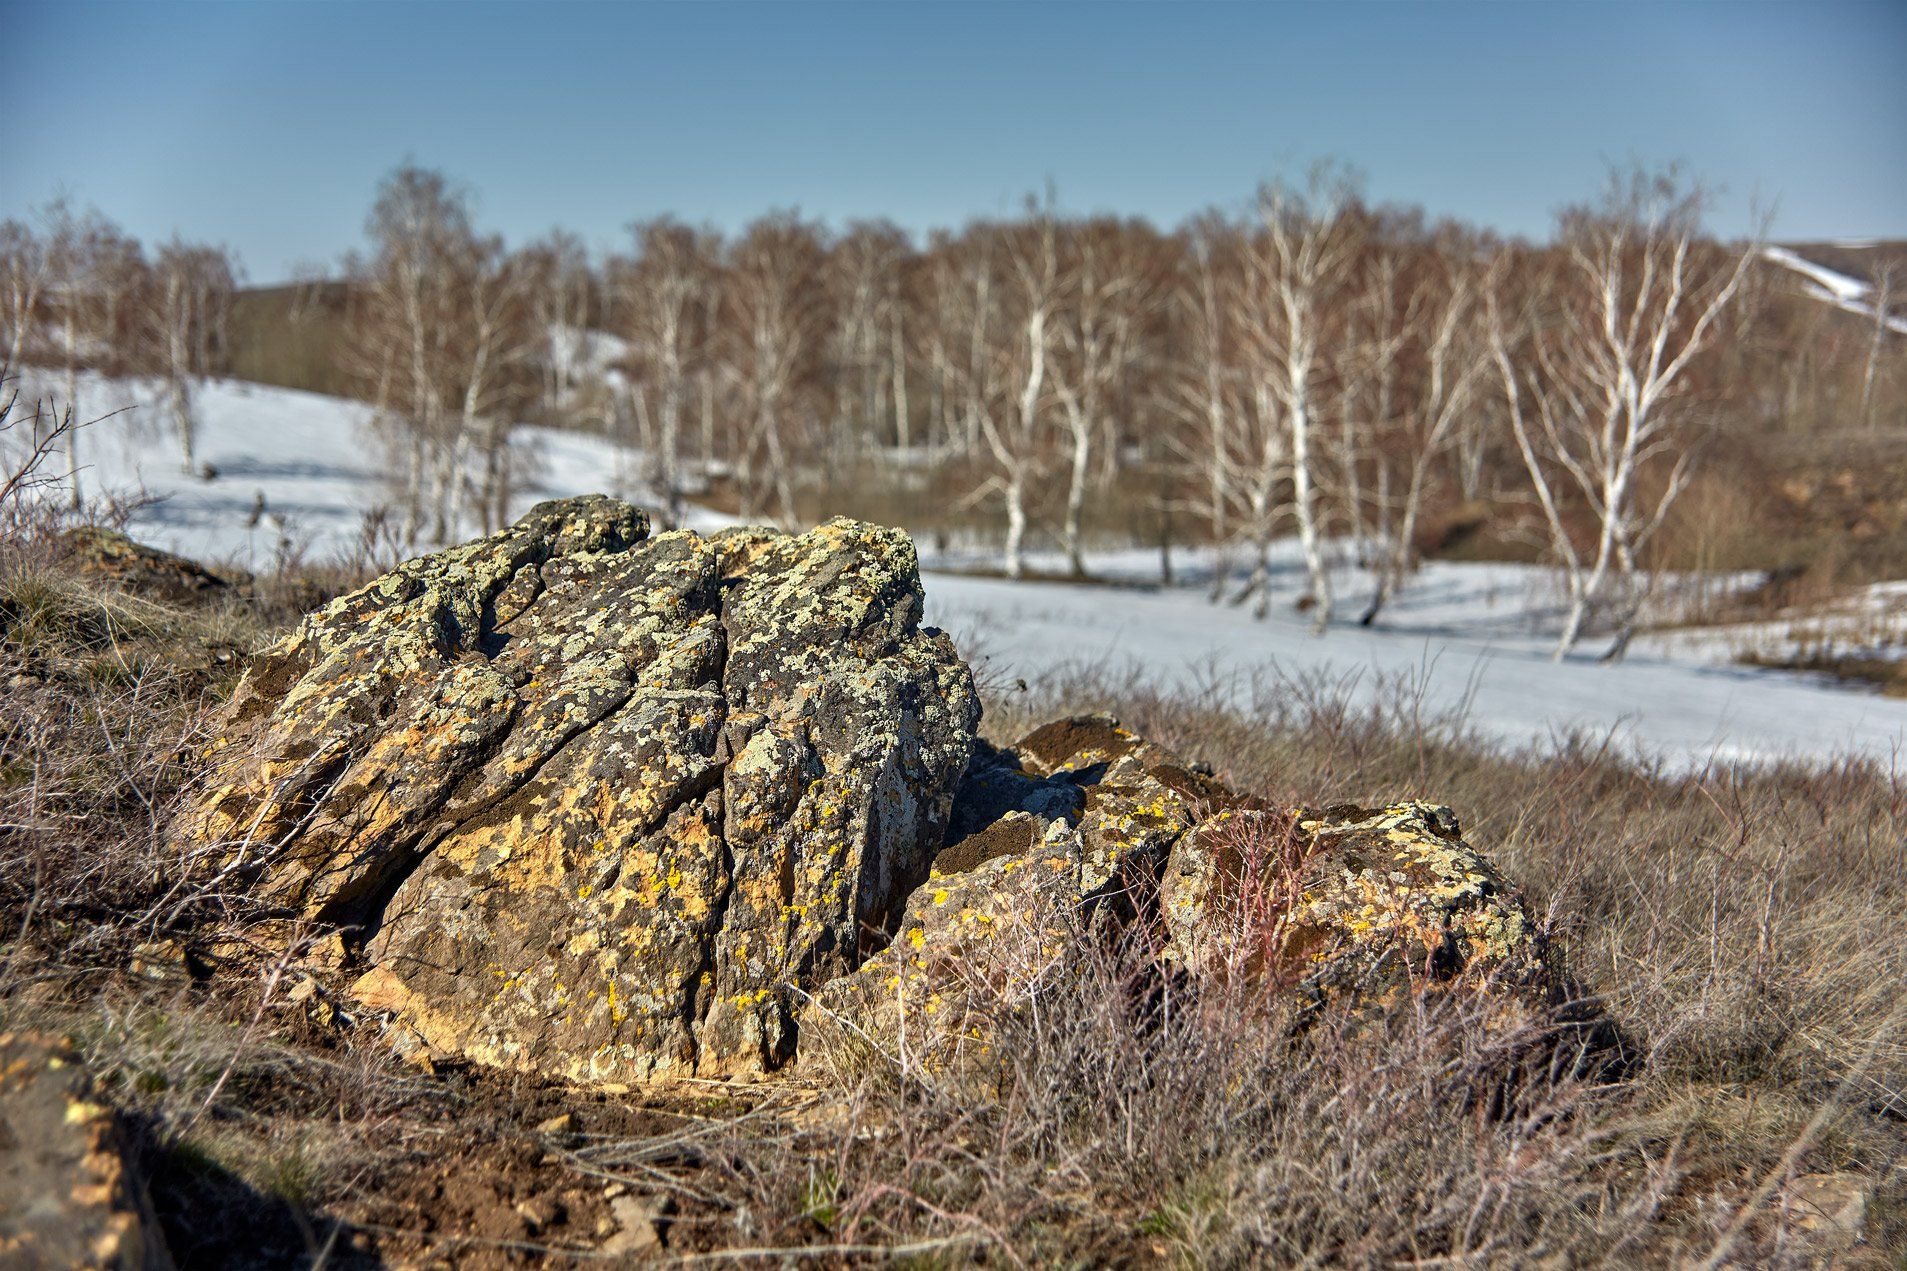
(601, 804)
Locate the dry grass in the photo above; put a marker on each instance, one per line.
(1744, 927)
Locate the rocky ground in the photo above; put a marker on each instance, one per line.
(583, 892)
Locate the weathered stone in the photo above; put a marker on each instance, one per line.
(598, 804)
(1399, 885)
(1078, 817)
(1351, 897)
(1081, 819)
(69, 1193)
(639, 1220)
(1830, 1209)
(133, 567)
(166, 964)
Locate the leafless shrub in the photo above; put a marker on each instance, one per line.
(97, 723)
(27, 442)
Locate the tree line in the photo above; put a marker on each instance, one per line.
(77, 292)
(1312, 367)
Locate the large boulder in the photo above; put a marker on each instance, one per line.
(70, 1194)
(599, 804)
(607, 806)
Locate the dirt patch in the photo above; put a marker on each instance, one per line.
(505, 1172)
(1888, 675)
(488, 1199)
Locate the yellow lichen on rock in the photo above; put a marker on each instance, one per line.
(599, 804)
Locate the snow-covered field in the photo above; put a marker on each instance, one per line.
(1463, 639)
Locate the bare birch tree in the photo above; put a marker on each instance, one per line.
(1207, 376)
(445, 339)
(1013, 428)
(1594, 388)
(865, 282)
(777, 314)
(1439, 345)
(408, 293)
(558, 269)
(500, 337)
(1107, 294)
(664, 292)
(93, 270)
(1881, 298)
(1299, 260)
(187, 310)
(26, 269)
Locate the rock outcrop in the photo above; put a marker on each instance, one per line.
(605, 806)
(600, 804)
(133, 567)
(69, 1193)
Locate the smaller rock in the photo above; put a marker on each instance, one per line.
(1082, 830)
(1362, 897)
(144, 571)
(538, 1212)
(1832, 1208)
(318, 1005)
(328, 953)
(166, 964)
(1075, 819)
(562, 1123)
(69, 1194)
(638, 1218)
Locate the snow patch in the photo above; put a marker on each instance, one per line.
(1837, 289)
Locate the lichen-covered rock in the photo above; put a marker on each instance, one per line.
(1083, 820)
(1076, 819)
(69, 1193)
(133, 567)
(1400, 884)
(1351, 900)
(598, 804)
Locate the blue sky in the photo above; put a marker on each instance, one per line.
(266, 124)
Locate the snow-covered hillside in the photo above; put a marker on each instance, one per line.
(317, 462)
(1470, 639)
(1835, 288)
